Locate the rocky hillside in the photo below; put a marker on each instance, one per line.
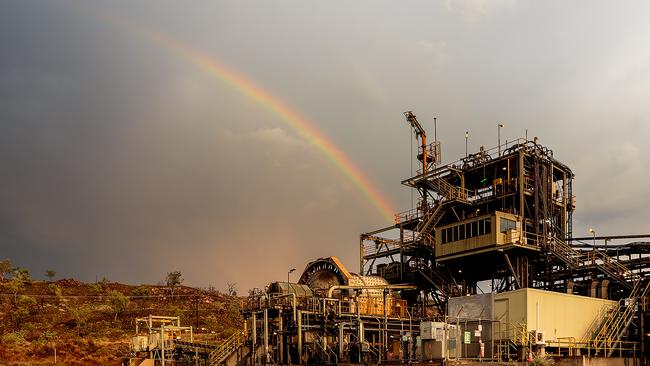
(92, 323)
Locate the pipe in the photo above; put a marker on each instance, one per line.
(162, 347)
(537, 306)
(254, 335)
(361, 287)
(266, 336)
(300, 337)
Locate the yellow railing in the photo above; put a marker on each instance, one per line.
(586, 348)
(227, 348)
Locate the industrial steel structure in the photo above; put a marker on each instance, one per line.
(486, 267)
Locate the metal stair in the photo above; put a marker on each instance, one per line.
(227, 348)
(610, 333)
(446, 285)
(430, 220)
(579, 259)
(448, 190)
(506, 349)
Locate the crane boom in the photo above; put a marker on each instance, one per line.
(419, 132)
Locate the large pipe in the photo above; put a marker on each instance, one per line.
(266, 336)
(280, 337)
(374, 287)
(300, 337)
(254, 336)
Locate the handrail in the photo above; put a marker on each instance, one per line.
(224, 350)
(611, 330)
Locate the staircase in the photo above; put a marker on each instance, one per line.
(515, 337)
(610, 333)
(227, 348)
(446, 285)
(506, 349)
(431, 218)
(579, 259)
(448, 190)
(327, 355)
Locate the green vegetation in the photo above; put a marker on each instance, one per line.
(119, 302)
(50, 274)
(93, 323)
(5, 268)
(22, 274)
(141, 291)
(174, 279)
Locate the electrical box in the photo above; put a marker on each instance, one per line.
(432, 330)
(538, 337)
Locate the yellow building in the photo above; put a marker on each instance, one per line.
(558, 316)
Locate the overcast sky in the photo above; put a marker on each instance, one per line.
(121, 159)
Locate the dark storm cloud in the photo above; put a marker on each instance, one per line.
(121, 159)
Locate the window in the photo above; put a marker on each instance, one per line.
(507, 224)
(443, 236)
(468, 230)
(461, 232)
(488, 226)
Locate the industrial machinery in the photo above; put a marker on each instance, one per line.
(497, 221)
(484, 268)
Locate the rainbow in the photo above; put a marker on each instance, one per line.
(290, 116)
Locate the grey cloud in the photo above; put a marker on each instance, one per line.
(122, 159)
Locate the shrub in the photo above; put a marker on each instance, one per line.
(119, 303)
(55, 290)
(16, 337)
(22, 274)
(141, 291)
(47, 336)
(212, 323)
(96, 288)
(81, 314)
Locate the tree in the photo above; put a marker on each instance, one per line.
(174, 279)
(232, 288)
(5, 268)
(14, 286)
(21, 274)
(119, 302)
(50, 273)
(81, 314)
(24, 308)
(55, 290)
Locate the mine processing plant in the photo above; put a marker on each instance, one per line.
(485, 267)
